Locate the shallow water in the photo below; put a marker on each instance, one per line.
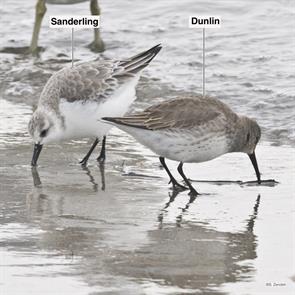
(117, 228)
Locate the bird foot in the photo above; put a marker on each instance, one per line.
(34, 51)
(97, 46)
(178, 187)
(193, 193)
(101, 159)
(83, 162)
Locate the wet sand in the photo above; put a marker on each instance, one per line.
(119, 229)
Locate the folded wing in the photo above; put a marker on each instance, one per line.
(98, 80)
(179, 113)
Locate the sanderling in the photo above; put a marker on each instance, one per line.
(75, 98)
(191, 130)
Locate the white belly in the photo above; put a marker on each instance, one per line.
(181, 147)
(82, 119)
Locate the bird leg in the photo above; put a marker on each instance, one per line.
(193, 192)
(40, 12)
(175, 184)
(83, 162)
(97, 45)
(101, 158)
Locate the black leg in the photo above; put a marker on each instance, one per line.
(172, 179)
(101, 158)
(193, 192)
(85, 159)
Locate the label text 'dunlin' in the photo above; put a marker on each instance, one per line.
(204, 22)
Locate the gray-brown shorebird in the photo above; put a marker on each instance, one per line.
(191, 130)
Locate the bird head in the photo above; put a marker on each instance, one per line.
(44, 127)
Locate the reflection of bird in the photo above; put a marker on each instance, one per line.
(251, 220)
(74, 99)
(191, 130)
(205, 257)
(36, 178)
(38, 201)
(97, 44)
(91, 178)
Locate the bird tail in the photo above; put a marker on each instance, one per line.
(138, 62)
(111, 120)
(134, 121)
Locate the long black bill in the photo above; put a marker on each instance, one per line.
(255, 165)
(36, 153)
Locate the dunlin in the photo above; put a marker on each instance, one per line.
(191, 130)
(75, 98)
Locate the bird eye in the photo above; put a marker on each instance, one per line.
(44, 132)
(248, 137)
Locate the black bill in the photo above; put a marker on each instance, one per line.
(255, 165)
(36, 153)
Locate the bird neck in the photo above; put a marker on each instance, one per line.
(239, 134)
(50, 95)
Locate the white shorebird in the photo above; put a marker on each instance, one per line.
(97, 44)
(74, 99)
(191, 130)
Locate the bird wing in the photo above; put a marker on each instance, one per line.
(98, 80)
(184, 113)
